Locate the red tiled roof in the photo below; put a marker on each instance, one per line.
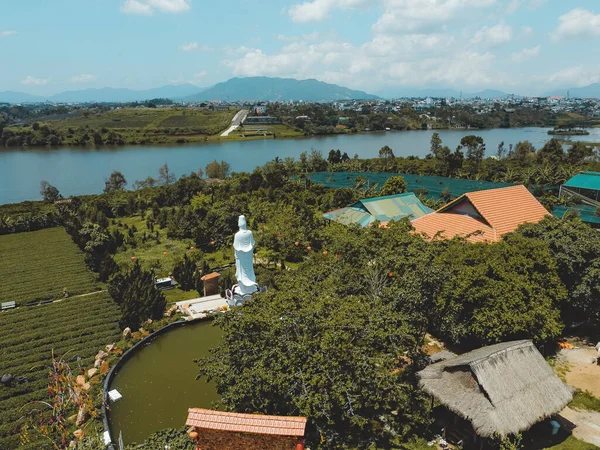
(210, 276)
(502, 211)
(246, 423)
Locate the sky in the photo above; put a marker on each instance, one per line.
(519, 46)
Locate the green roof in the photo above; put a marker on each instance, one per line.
(383, 209)
(585, 180)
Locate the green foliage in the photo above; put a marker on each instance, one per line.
(585, 400)
(186, 274)
(48, 192)
(552, 152)
(40, 265)
(174, 439)
(116, 182)
(393, 186)
(217, 170)
(135, 293)
(77, 327)
(498, 292)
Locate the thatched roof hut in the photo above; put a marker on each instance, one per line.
(501, 389)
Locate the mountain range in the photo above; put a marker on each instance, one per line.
(278, 89)
(265, 89)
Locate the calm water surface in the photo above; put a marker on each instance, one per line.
(83, 171)
(158, 383)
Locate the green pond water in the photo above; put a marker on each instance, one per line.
(158, 383)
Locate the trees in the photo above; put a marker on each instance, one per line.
(217, 170)
(186, 273)
(393, 186)
(577, 153)
(138, 298)
(523, 151)
(436, 144)
(498, 292)
(48, 192)
(165, 176)
(116, 182)
(475, 152)
(552, 152)
(386, 152)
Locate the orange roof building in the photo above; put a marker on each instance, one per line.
(482, 216)
(217, 430)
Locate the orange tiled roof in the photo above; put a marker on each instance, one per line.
(246, 423)
(502, 211)
(210, 276)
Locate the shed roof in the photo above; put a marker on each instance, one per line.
(210, 276)
(383, 209)
(483, 215)
(501, 389)
(585, 180)
(246, 423)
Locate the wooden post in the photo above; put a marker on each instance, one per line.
(300, 444)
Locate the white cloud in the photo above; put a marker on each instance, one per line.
(83, 78)
(496, 35)
(572, 77)
(317, 10)
(7, 33)
(35, 81)
(147, 7)
(194, 47)
(578, 23)
(410, 15)
(526, 30)
(525, 54)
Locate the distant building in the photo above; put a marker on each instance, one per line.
(482, 216)
(383, 209)
(260, 109)
(262, 120)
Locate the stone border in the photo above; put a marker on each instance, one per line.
(122, 360)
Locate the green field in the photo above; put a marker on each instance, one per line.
(38, 265)
(128, 126)
(80, 326)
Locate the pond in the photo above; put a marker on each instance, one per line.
(158, 383)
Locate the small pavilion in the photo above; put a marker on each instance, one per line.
(218, 430)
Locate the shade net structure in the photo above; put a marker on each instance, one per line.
(428, 186)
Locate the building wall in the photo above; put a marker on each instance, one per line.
(223, 440)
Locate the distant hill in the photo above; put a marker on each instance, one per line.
(116, 95)
(591, 91)
(19, 97)
(441, 93)
(278, 89)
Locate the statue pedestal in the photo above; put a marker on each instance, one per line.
(235, 297)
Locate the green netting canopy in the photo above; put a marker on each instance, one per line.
(585, 180)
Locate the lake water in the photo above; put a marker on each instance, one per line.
(158, 383)
(83, 171)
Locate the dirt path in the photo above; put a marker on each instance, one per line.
(583, 373)
(587, 424)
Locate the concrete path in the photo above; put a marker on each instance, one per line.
(587, 424)
(199, 308)
(236, 121)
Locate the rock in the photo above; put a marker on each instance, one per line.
(110, 347)
(92, 372)
(86, 386)
(78, 433)
(148, 322)
(6, 379)
(97, 363)
(72, 444)
(101, 354)
(80, 380)
(82, 417)
(127, 333)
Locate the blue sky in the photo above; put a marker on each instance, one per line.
(520, 46)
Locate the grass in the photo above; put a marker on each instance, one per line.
(177, 295)
(40, 264)
(135, 126)
(585, 400)
(572, 443)
(80, 326)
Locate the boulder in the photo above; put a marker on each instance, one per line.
(92, 372)
(6, 379)
(109, 348)
(72, 444)
(148, 322)
(127, 333)
(101, 354)
(80, 380)
(86, 386)
(78, 433)
(97, 363)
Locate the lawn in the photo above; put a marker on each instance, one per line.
(38, 265)
(80, 326)
(572, 443)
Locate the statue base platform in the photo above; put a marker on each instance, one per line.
(236, 298)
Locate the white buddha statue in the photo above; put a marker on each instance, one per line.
(243, 244)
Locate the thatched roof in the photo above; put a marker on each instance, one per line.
(501, 389)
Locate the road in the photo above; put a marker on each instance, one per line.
(236, 121)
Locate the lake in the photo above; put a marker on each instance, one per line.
(83, 171)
